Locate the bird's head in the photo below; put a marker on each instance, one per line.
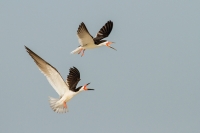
(108, 43)
(84, 88)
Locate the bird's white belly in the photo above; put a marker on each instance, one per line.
(68, 96)
(90, 46)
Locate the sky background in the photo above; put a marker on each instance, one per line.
(151, 84)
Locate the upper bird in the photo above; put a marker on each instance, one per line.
(66, 90)
(88, 42)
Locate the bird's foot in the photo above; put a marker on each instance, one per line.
(83, 52)
(64, 105)
(80, 51)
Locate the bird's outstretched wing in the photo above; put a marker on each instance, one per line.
(52, 75)
(73, 78)
(104, 31)
(84, 36)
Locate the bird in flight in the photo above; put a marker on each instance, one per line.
(65, 89)
(88, 42)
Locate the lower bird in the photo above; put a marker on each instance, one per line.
(66, 90)
(88, 42)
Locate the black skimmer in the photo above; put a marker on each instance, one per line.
(88, 42)
(66, 90)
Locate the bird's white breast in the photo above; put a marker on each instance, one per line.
(90, 46)
(68, 95)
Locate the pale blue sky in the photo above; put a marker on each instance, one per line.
(151, 84)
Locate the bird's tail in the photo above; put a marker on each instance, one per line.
(57, 106)
(76, 51)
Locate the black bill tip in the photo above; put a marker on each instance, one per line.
(90, 89)
(113, 48)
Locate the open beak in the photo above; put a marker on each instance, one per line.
(108, 45)
(87, 89)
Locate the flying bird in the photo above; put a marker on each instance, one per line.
(65, 89)
(88, 42)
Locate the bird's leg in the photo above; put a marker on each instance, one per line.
(83, 52)
(80, 51)
(64, 104)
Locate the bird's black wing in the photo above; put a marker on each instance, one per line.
(73, 78)
(104, 31)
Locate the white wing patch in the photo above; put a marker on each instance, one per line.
(84, 36)
(51, 74)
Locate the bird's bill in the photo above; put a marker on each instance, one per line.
(108, 45)
(87, 89)
(112, 48)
